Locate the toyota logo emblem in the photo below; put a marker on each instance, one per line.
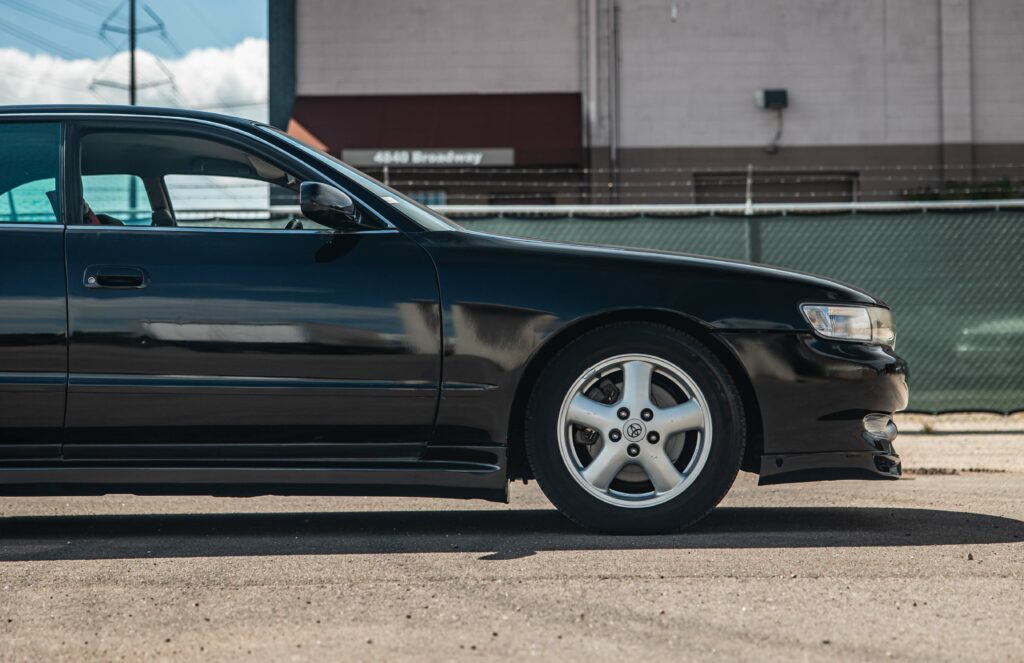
(634, 430)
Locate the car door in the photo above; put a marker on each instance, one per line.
(33, 322)
(204, 327)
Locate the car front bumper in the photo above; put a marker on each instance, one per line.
(824, 405)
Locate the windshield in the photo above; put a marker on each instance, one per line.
(417, 213)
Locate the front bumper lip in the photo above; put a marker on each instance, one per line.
(829, 466)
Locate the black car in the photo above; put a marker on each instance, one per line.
(351, 341)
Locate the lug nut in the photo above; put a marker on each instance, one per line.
(653, 437)
(614, 435)
(623, 413)
(633, 450)
(646, 414)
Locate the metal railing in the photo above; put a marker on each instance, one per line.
(749, 208)
(621, 210)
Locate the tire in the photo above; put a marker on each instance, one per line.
(595, 379)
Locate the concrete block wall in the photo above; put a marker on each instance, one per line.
(857, 73)
(933, 86)
(997, 47)
(367, 47)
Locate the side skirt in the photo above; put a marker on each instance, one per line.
(421, 478)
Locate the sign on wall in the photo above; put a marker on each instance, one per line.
(430, 158)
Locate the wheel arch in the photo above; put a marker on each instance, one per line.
(518, 466)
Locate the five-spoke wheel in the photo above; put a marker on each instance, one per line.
(634, 430)
(635, 427)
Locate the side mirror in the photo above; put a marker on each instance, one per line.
(329, 207)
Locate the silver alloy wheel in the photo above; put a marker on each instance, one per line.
(632, 447)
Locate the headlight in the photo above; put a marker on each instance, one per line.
(871, 324)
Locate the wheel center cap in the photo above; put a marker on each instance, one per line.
(634, 430)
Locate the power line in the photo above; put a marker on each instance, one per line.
(166, 36)
(162, 29)
(91, 6)
(33, 39)
(205, 20)
(56, 19)
(231, 104)
(54, 84)
(25, 77)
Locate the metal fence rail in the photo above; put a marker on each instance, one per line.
(746, 209)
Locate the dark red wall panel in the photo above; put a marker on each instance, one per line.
(543, 129)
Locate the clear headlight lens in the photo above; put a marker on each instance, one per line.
(871, 324)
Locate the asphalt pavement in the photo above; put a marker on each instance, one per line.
(928, 568)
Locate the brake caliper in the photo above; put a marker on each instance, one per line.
(605, 392)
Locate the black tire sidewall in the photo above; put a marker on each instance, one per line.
(665, 342)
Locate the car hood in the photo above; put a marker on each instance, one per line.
(839, 291)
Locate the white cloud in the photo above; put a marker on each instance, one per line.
(205, 78)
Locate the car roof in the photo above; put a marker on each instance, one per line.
(127, 111)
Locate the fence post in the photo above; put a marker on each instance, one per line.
(749, 207)
(754, 238)
(753, 223)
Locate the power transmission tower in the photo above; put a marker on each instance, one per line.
(134, 31)
(131, 50)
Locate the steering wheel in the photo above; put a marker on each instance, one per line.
(294, 224)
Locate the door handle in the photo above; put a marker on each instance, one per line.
(112, 276)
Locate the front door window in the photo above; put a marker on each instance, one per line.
(164, 179)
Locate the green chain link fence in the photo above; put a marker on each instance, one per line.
(955, 280)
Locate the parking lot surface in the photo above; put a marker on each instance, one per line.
(928, 568)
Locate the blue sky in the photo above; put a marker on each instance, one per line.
(70, 28)
(214, 55)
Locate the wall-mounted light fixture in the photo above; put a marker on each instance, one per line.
(776, 99)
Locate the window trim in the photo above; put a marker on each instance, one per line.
(274, 231)
(80, 126)
(30, 226)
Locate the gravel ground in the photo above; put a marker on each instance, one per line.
(925, 569)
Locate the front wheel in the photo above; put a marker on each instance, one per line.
(635, 428)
